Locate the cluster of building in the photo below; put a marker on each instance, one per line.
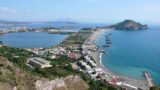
(51, 53)
(89, 66)
(56, 52)
(25, 29)
(16, 29)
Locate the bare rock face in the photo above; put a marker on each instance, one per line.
(49, 85)
(68, 83)
(129, 25)
(13, 78)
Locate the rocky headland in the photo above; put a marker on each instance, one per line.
(129, 25)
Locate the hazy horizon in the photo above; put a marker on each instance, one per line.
(88, 11)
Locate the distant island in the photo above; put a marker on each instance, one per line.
(129, 25)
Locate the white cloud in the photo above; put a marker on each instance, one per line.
(6, 10)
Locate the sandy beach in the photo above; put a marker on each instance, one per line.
(97, 56)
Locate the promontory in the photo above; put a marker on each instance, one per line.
(129, 25)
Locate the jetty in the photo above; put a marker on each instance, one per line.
(108, 42)
(106, 45)
(149, 79)
(93, 55)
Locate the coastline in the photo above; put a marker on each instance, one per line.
(97, 56)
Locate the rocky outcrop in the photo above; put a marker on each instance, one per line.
(68, 83)
(129, 25)
(13, 78)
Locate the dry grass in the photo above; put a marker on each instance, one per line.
(11, 76)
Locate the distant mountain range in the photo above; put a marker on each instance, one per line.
(125, 25)
(5, 22)
(68, 22)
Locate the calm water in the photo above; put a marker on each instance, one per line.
(133, 52)
(31, 39)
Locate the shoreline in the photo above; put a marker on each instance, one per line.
(97, 55)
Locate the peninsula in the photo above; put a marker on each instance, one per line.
(77, 58)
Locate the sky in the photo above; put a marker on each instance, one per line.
(80, 10)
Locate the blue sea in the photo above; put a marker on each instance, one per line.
(31, 39)
(133, 52)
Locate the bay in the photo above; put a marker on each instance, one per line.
(32, 39)
(133, 52)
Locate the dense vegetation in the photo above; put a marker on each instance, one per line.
(77, 38)
(19, 58)
(61, 67)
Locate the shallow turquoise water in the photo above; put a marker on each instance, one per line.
(133, 52)
(31, 39)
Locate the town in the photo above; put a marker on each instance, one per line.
(80, 47)
(50, 30)
(85, 55)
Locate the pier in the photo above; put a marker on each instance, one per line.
(149, 79)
